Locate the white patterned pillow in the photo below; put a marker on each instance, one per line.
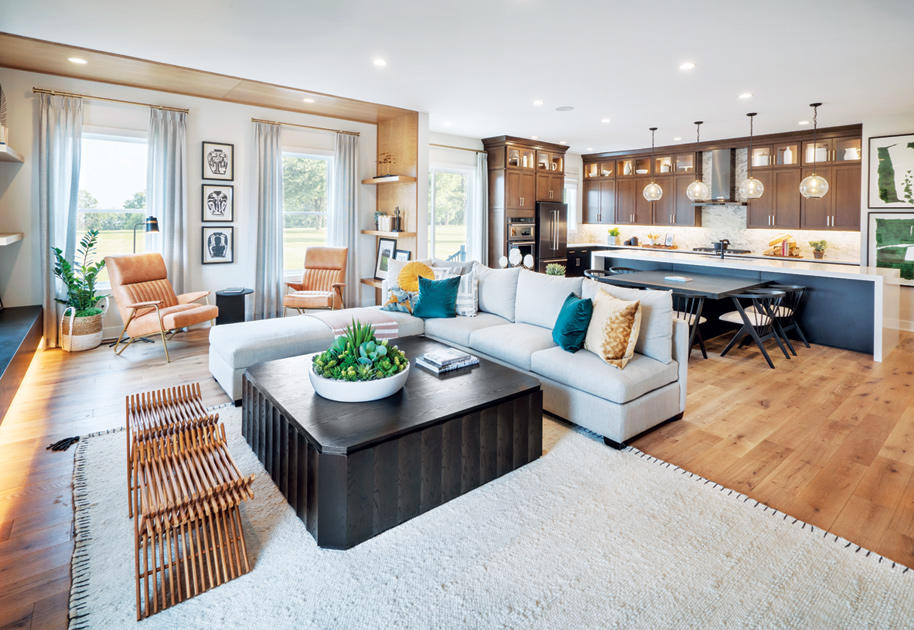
(467, 291)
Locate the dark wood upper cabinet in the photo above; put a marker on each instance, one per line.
(520, 190)
(607, 201)
(644, 209)
(786, 182)
(760, 212)
(625, 201)
(591, 202)
(665, 209)
(684, 213)
(846, 187)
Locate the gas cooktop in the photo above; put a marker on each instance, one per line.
(729, 250)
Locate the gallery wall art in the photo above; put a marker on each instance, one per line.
(891, 172)
(218, 161)
(218, 203)
(218, 245)
(891, 243)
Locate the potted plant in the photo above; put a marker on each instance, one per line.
(614, 236)
(555, 269)
(818, 248)
(81, 322)
(358, 367)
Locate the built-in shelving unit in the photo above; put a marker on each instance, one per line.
(8, 154)
(8, 238)
(384, 234)
(389, 179)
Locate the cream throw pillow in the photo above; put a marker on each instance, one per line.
(613, 330)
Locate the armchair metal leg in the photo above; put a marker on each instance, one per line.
(165, 345)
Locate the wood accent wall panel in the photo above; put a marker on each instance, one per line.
(400, 137)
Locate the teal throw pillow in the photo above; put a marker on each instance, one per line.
(437, 298)
(571, 325)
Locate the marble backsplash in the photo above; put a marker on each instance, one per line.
(729, 222)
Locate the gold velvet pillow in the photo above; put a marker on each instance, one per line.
(409, 275)
(613, 330)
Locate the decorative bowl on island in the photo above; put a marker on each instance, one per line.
(358, 367)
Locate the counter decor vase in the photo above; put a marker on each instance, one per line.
(358, 367)
(818, 253)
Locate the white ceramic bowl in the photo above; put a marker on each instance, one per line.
(357, 391)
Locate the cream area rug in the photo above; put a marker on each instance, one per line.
(585, 537)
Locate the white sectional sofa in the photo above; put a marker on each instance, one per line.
(513, 327)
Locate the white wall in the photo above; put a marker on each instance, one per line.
(20, 277)
(884, 126)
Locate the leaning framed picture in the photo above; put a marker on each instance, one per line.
(386, 249)
(218, 245)
(890, 180)
(402, 254)
(218, 161)
(218, 202)
(890, 243)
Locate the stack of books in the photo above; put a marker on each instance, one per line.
(446, 360)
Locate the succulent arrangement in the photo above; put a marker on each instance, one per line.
(357, 355)
(555, 269)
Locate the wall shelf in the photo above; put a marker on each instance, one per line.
(389, 234)
(7, 154)
(372, 282)
(8, 238)
(389, 179)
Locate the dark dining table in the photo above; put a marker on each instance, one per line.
(700, 286)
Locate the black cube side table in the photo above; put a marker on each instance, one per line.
(231, 305)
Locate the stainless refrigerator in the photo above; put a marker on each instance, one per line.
(551, 234)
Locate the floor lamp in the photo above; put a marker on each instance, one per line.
(152, 225)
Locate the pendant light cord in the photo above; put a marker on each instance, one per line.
(653, 131)
(815, 134)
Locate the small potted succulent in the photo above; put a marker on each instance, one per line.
(81, 322)
(818, 248)
(358, 367)
(555, 269)
(613, 236)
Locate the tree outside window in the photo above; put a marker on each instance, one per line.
(448, 200)
(305, 189)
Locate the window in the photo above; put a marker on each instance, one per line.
(305, 200)
(112, 193)
(570, 198)
(448, 202)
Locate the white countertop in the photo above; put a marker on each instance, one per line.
(798, 267)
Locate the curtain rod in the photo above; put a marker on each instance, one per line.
(38, 90)
(448, 146)
(285, 124)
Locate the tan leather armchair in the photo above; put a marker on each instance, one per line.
(323, 281)
(147, 301)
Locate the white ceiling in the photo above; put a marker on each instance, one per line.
(477, 65)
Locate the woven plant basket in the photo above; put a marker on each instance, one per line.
(80, 333)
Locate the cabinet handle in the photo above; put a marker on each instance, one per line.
(521, 201)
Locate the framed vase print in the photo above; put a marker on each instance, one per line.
(890, 243)
(386, 249)
(218, 161)
(890, 180)
(402, 254)
(218, 245)
(218, 202)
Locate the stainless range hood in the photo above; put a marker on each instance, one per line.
(723, 179)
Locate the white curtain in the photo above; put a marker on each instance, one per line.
(166, 184)
(268, 285)
(477, 221)
(343, 226)
(59, 141)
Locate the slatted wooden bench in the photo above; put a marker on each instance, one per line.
(185, 491)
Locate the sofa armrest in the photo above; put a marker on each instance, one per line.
(193, 296)
(681, 355)
(148, 303)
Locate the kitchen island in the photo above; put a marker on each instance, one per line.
(850, 307)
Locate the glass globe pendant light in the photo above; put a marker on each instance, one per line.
(751, 188)
(653, 191)
(814, 186)
(698, 190)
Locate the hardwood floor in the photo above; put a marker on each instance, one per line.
(827, 437)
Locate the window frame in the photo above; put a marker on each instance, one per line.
(449, 167)
(295, 275)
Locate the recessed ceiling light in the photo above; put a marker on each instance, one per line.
(77, 60)
(677, 138)
(605, 121)
(308, 99)
(562, 142)
(538, 102)
(687, 65)
(803, 122)
(534, 137)
(448, 123)
(564, 108)
(745, 95)
(590, 148)
(381, 63)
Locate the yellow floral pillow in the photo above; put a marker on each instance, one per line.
(409, 275)
(613, 330)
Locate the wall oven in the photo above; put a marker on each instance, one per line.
(521, 229)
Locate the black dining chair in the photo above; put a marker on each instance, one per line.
(688, 308)
(596, 274)
(791, 306)
(752, 315)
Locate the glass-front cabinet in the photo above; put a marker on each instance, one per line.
(847, 149)
(784, 154)
(817, 152)
(607, 168)
(591, 170)
(663, 165)
(551, 162)
(761, 157)
(685, 163)
(520, 157)
(642, 166)
(625, 168)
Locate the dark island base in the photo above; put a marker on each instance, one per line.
(347, 499)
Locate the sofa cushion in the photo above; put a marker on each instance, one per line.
(512, 343)
(248, 343)
(459, 329)
(656, 337)
(408, 324)
(497, 289)
(540, 297)
(585, 371)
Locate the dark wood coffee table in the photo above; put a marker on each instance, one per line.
(354, 470)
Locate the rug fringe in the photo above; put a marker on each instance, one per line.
(79, 562)
(774, 512)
